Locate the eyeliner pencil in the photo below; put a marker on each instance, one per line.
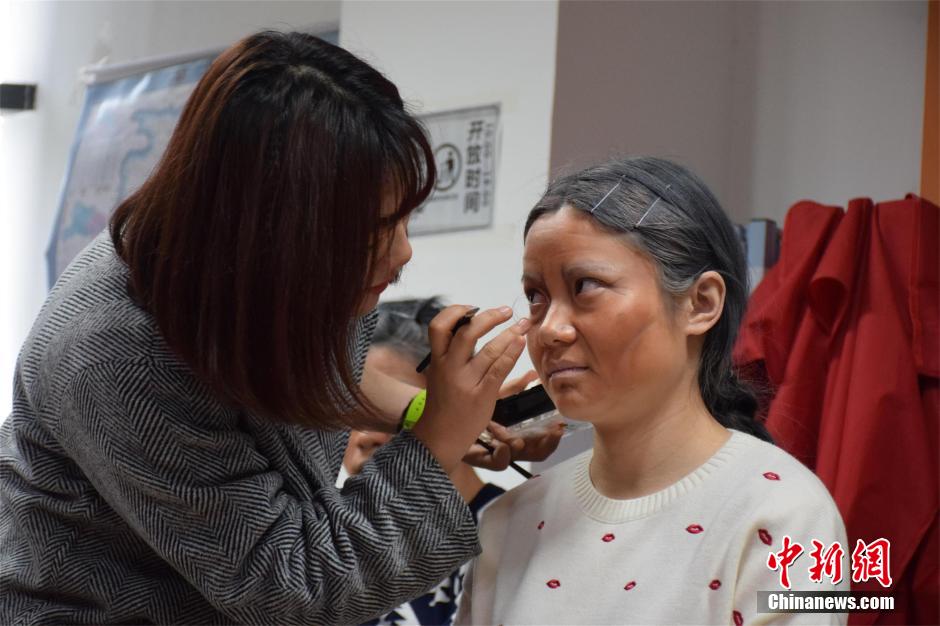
(463, 321)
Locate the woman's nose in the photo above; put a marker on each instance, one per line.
(401, 247)
(556, 326)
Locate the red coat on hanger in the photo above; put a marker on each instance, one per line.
(844, 331)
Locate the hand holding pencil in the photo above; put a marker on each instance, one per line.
(464, 384)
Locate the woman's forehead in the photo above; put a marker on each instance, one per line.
(565, 219)
(568, 228)
(561, 231)
(569, 236)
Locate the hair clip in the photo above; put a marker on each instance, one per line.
(606, 195)
(649, 209)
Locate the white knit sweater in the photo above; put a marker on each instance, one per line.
(555, 551)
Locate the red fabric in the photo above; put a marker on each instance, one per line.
(844, 331)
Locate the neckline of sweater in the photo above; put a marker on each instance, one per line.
(612, 511)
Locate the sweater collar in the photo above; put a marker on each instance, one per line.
(608, 510)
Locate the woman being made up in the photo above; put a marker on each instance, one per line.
(182, 404)
(637, 283)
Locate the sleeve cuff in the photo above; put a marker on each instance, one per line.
(411, 473)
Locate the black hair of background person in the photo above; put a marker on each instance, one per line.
(223, 247)
(687, 233)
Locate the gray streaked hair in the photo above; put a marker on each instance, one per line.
(685, 232)
(402, 326)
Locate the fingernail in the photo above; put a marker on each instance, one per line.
(505, 310)
(524, 324)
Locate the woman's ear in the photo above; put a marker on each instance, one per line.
(704, 302)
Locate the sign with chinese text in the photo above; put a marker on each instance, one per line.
(465, 145)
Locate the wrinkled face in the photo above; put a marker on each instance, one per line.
(393, 251)
(604, 341)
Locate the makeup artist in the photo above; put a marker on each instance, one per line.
(182, 403)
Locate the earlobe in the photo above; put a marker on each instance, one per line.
(706, 301)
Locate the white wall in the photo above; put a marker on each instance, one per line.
(47, 43)
(770, 102)
(448, 55)
(21, 174)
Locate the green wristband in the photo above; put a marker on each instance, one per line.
(414, 411)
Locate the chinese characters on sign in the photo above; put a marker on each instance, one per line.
(465, 150)
(869, 561)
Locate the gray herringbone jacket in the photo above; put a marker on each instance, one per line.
(129, 494)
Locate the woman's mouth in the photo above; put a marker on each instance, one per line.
(378, 289)
(566, 373)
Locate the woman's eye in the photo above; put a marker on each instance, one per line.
(587, 284)
(534, 297)
(537, 305)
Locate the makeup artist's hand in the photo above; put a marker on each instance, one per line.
(532, 445)
(463, 386)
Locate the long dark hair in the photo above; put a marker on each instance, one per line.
(252, 241)
(685, 234)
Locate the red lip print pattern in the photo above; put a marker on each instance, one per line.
(630, 585)
(541, 525)
(771, 476)
(765, 536)
(715, 584)
(694, 529)
(554, 583)
(608, 538)
(738, 618)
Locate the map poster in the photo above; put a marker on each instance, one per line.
(465, 144)
(126, 123)
(124, 127)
